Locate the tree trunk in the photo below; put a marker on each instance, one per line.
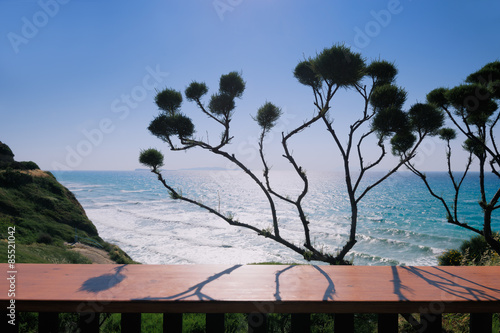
(488, 234)
(339, 259)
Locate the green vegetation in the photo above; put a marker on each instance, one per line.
(7, 160)
(27, 165)
(380, 116)
(43, 253)
(116, 254)
(473, 252)
(474, 111)
(38, 207)
(450, 258)
(45, 216)
(237, 323)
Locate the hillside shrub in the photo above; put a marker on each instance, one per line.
(25, 165)
(44, 238)
(28, 165)
(450, 258)
(474, 251)
(5, 150)
(11, 178)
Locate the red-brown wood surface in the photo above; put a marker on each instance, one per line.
(263, 288)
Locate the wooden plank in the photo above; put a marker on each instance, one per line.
(254, 288)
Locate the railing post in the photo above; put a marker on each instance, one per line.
(388, 322)
(48, 322)
(172, 323)
(343, 323)
(301, 322)
(431, 323)
(5, 326)
(214, 322)
(131, 322)
(89, 322)
(480, 322)
(257, 322)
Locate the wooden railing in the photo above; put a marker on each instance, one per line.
(252, 289)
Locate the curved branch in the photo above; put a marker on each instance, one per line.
(224, 122)
(266, 177)
(469, 134)
(459, 185)
(233, 159)
(450, 218)
(363, 169)
(330, 129)
(176, 195)
(495, 199)
(493, 169)
(404, 160)
(312, 254)
(298, 202)
(300, 172)
(202, 108)
(497, 157)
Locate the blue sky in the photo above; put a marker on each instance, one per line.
(78, 77)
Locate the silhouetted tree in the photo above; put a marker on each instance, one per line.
(334, 69)
(472, 109)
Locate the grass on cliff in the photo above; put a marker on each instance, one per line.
(42, 253)
(39, 205)
(45, 215)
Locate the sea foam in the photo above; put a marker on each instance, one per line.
(399, 222)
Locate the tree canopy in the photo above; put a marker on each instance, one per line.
(329, 72)
(472, 109)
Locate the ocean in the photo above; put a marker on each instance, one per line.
(399, 222)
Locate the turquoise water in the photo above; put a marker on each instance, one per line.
(399, 222)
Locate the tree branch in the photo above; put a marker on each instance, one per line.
(311, 255)
(363, 169)
(202, 108)
(450, 218)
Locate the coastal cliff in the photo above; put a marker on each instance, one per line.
(46, 219)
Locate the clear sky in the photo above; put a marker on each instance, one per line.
(78, 77)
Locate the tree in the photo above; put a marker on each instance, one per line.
(334, 69)
(472, 109)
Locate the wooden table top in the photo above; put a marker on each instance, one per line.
(249, 288)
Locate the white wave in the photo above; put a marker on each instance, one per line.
(135, 212)
(134, 191)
